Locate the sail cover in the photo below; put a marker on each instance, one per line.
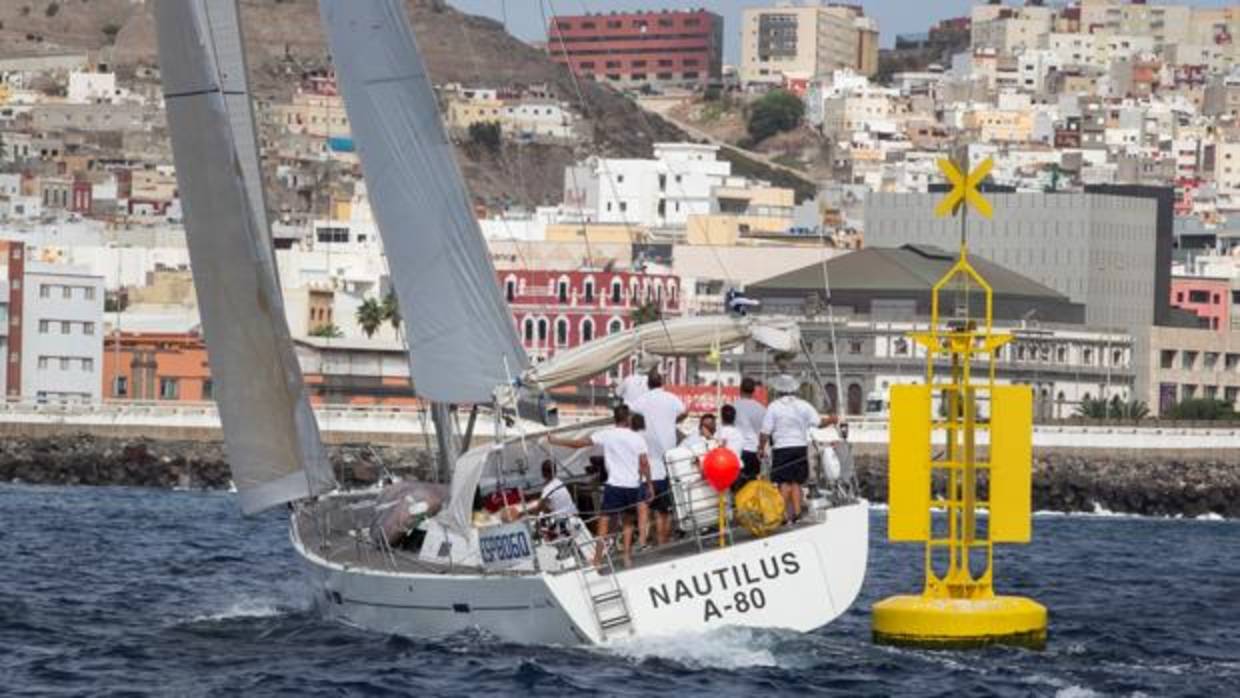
(269, 428)
(462, 342)
(690, 336)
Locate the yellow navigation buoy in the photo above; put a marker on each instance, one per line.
(958, 607)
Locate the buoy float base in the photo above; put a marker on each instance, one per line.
(933, 623)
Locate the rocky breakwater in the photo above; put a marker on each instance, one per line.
(91, 460)
(1127, 484)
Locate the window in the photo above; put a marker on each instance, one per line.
(120, 386)
(88, 365)
(542, 329)
(66, 292)
(43, 326)
(1198, 297)
(88, 328)
(510, 289)
(66, 327)
(64, 363)
(615, 326)
(562, 291)
(1188, 360)
(528, 329)
(561, 332)
(208, 389)
(168, 388)
(45, 291)
(854, 346)
(617, 291)
(587, 330)
(42, 362)
(589, 288)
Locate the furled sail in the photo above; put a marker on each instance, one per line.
(689, 336)
(461, 338)
(269, 428)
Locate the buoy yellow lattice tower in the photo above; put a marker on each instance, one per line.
(958, 606)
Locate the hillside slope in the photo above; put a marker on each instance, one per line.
(284, 39)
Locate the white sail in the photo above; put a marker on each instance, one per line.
(270, 432)
(225, 42)
(462, 341)
(690, 336)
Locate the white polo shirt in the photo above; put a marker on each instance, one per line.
(732, 439)
(622, 452)
(661, 410)
(559, 500)
(788, 421)
(749, 416)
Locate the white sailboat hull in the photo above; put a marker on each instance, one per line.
(799, 580)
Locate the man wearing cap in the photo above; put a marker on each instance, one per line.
(785, 428)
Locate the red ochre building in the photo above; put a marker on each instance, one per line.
(558, 310)
(640, 48)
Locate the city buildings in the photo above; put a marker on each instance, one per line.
(635, 49)
(799, 42)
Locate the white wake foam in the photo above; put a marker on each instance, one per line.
(1075, 691)
(727, 648)
(245, 608)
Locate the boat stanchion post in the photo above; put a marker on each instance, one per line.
(958, 607)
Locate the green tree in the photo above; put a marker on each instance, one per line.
(1203, 409)
(370, 316)
(1091, 408)
(327, 331)
(486, 135)
(391, 310)
(646, 312)
(52, 9)
(110, 30)
(775, 112)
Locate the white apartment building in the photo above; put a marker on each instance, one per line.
(533, 119)
(658, 193)
(62, 333)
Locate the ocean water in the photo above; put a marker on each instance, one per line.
(116, 591)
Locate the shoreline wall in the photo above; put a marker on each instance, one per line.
(1155, 483)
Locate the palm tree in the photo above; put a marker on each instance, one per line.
(391, 310)
(646, 312)
(371, 314)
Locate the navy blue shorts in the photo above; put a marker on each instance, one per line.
(622, 500)
(790, 465)
(662, 500)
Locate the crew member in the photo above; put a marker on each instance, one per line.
(705, 432)
(786, 428)
(555, 498)
(729, 436)
(749, 416)
(628, 470)
(632, 388)
(662, 411)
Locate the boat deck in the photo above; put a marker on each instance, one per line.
(335, 529)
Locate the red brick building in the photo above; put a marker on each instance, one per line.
(558, 310)
(640, 48)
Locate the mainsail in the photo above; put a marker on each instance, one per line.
(462, 342)
(269, 428)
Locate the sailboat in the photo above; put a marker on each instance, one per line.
(507, 576)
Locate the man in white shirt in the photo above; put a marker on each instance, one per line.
(786, 427)
(729, 436)
(625, 455)
(662, 411)
(749, 416)
(632, 388)
(555, 504)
